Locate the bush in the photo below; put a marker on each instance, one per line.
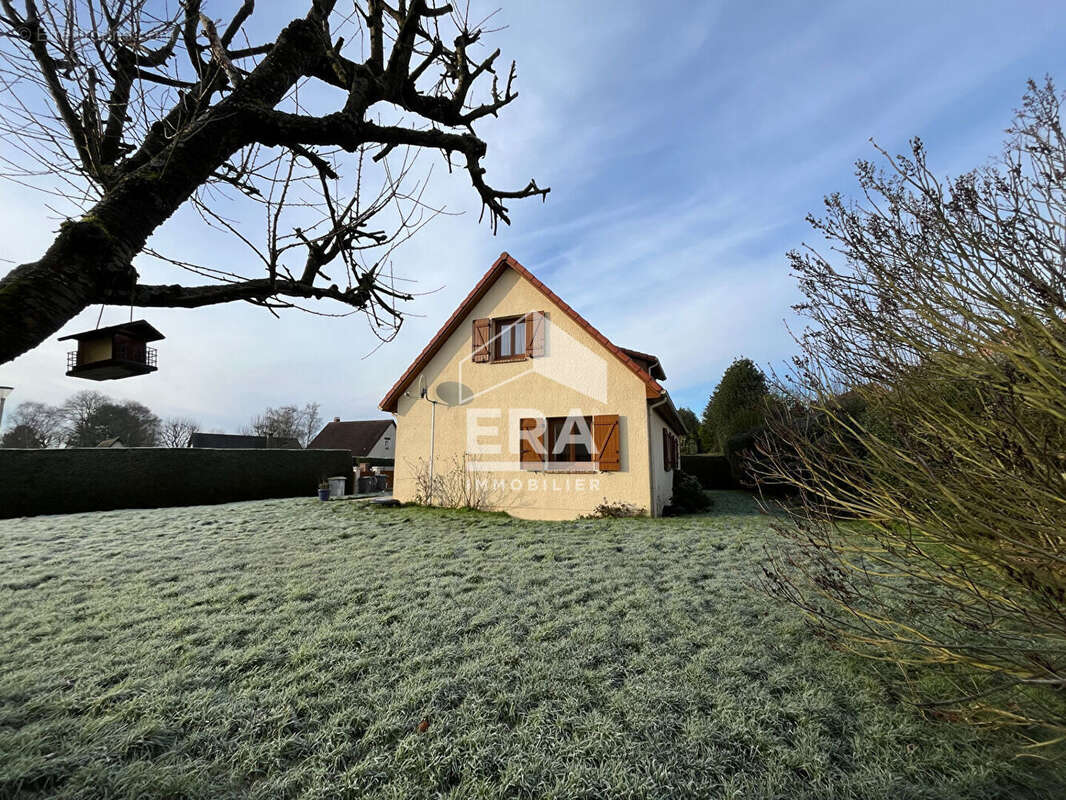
(615, 509)
(689, 497)
(739, 452)
(945, 318)
(710, 470)
(746, 454)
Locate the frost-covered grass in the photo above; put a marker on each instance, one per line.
(295, 648)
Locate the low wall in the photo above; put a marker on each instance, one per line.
(97, 479)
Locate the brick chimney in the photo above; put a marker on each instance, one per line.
(336, 419)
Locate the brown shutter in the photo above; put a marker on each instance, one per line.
(666, 450)
(480, 340)
(535, 321)
(608, 442)
(527, 450)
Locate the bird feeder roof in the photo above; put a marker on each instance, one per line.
(139, 329)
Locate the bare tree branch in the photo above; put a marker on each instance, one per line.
(139, 130)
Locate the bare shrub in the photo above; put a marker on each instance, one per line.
(927, 434)
(459, 483)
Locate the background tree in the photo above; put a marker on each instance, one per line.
(946, 325)
(22, 436)
(312, 423)
(130, 112)
(36, 424)
(690, 442)
(738, 404)
(176, 431)
(78, 410)
(130, 421)
(288, 422)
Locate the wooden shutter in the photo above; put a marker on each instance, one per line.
(608, 439)
(535, 322)
(480, 340)
(528, 454)
(667, 451)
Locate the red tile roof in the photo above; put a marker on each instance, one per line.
(505, 261)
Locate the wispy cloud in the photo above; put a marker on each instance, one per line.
(683, 142)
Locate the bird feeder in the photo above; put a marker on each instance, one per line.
(107, 354)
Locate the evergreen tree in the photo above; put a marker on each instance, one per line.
(737, 405)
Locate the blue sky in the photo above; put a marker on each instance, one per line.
(684, 143)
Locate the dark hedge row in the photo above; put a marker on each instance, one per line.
(36, 482)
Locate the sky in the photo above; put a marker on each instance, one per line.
(684, 143)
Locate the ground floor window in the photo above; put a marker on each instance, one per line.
(569, 440)
(571, 443)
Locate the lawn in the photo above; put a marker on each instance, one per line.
(292, 648)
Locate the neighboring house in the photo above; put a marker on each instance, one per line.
(234, 441)
(540, 413)
(113, 442)
(367, 438)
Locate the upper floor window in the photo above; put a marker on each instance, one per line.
(509, 336)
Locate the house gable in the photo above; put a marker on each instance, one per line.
(462, 314)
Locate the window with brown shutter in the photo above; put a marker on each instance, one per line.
(531, 443)
(608, 442)
(480, 340)
(570, 443)
(509, 339)
(535, 322)
(506, 339)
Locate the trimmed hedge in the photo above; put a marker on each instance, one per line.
(710, 470)
(36, 482)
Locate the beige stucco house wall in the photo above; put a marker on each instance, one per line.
(471, 427)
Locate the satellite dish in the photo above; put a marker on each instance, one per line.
(453, 393)
(422, 391)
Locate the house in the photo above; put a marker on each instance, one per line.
(115, 441)
(372, 443)
(233, 441)
(524, 403)
(366, 438)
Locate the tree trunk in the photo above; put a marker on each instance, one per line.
(38, 298)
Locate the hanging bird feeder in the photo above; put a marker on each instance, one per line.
(108, 354)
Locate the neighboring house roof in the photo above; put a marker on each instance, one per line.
(359, 436)
(504, 262)
(139, 329)
(234, 441)
(113, 442)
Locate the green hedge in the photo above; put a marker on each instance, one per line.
(36, 482)
(711, 471)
